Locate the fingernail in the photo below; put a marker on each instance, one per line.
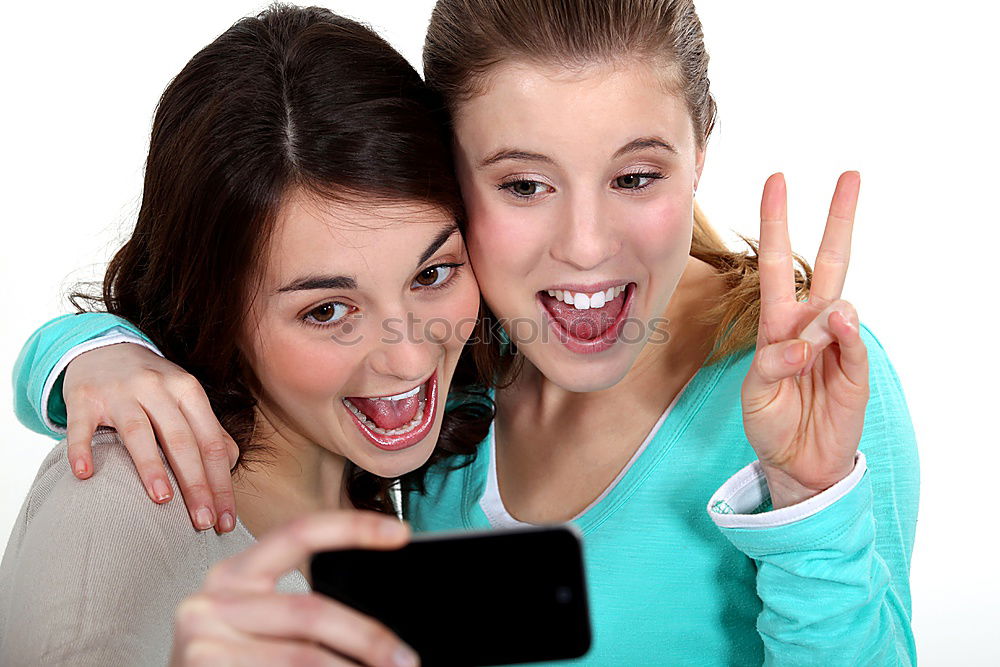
(849, 320)
(226, 522)
(161, 492)
(80, 468)
(796, 354)
(405, 657)
(390, 528)
(203, 518)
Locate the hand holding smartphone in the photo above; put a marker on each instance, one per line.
(476, 598)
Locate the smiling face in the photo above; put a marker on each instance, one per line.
(580, 188)
(358, 326)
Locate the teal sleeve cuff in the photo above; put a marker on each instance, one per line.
(38, 372)
(744, 501)
(826, 526)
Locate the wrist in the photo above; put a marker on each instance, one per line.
(786, 490)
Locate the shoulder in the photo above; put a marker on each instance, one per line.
(886, 395)
(450, 487)
(111, 510)
(887, 417)
(447, 472)
(85, 557)
(451, 473)
(880, 367)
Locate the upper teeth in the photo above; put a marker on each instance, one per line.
(397, 397)
(582, 301)
(405, 394)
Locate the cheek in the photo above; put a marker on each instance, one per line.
(661, 230)
(300, 365)
(499, 230)
(452, 321)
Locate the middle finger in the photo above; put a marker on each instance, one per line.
(834, 255)
(181, 450)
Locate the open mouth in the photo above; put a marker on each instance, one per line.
(587, 322)
(398, 421)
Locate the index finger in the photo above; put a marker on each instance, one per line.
(774, 254)
(259, 567)
(81, 425)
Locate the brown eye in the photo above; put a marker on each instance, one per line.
(631, 181)
(328, 312)
(434, 276)
(427, 277)
(524, 188)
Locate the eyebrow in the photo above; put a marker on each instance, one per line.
(438, 241)
(643, 143)
(527, 156)
(320, 282)
(515, 154)
(349, 282)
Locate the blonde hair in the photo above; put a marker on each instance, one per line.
(467, 38)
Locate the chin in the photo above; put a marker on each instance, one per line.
(582, 374)
(396, 464)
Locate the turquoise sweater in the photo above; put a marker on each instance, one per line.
(825, 582)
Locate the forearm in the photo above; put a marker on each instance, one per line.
(828, 595)
(833, 604)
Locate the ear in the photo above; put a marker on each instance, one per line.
(699, 164)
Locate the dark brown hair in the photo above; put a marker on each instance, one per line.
(468, 38)
(294, 98)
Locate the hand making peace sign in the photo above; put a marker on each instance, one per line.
(805, 395)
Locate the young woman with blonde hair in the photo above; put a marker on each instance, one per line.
(642, 371)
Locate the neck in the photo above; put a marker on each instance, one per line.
(290, 477)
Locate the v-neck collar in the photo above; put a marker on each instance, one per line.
(668, 429)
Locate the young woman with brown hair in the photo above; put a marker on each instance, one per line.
(299, 167)
(579, 130)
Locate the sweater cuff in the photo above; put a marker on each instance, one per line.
(54, 382)
(812, 524)
(740, 502)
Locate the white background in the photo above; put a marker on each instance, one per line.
(903, 91)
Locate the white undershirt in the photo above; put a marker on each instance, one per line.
(492, 504)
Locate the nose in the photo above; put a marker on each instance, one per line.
(587, 238)
(407, 354)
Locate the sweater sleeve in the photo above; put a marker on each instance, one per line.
(833, 571)
(39, 370)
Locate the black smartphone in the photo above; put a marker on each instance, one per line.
(475, 598)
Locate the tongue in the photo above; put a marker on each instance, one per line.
(388, 414)
(584, 324)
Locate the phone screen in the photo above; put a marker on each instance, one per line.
(478, 598)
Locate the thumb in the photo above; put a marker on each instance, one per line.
(776, 362)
